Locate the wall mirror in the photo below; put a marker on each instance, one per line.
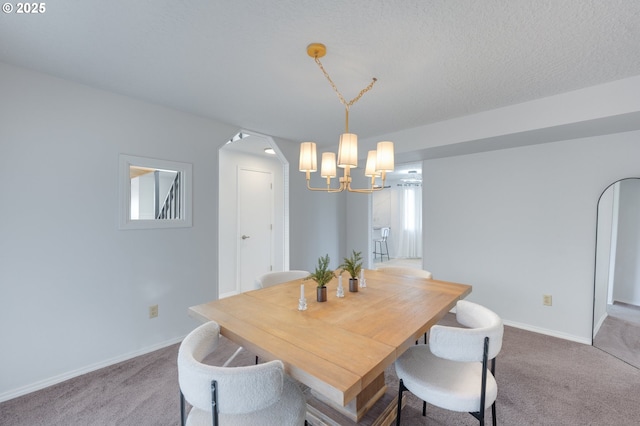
(616, 308)
(154, 193)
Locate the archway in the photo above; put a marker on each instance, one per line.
(616, 308)
(243, 154)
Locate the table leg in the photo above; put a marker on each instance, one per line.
(362, 403)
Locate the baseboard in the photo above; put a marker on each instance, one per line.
(14, 393)
(629, 303)
(552, 333)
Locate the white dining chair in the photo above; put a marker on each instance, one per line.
(254, 395)
(452, 371)
(273, 278)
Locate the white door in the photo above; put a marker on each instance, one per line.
(255, 212)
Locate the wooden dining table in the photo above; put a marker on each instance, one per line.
(339, 348)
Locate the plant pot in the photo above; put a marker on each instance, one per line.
(321, 294)
(353, 285)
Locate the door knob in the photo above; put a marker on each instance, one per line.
(244, 237)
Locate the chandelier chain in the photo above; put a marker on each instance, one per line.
(343, 101)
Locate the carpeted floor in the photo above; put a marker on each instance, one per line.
(619, 334)
(542, 381)
(621, 339)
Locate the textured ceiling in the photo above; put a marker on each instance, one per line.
(244, 62)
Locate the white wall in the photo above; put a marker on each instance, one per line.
(228, 234)
(317, 223)
(359, 230)
(75, 290)
(381, 209)
(519, 223)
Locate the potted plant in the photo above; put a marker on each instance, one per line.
(353, 265)
(322, 275)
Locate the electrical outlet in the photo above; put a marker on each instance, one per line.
(153, 311)
(546, 300)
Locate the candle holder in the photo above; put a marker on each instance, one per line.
(302, 304)
(340, 291)
(363, 281)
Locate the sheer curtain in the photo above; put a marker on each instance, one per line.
(406, 220)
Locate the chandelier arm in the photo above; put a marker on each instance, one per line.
(327, 189)
(366, 191)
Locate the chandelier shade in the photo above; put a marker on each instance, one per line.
(370, 168)
(308, 157)
(328, 169)
(348, 151)
(384, 157)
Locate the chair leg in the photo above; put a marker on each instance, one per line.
(493, 414)
(214, 402)
(401, 389)
(182, 419)
(479, 415)
(483, 389)
(493, 406)
(424, 408)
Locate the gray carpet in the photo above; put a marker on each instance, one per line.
(619, 334)
(542, 381)
(621, 339)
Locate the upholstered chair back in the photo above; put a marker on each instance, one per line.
(466, 344)
(241, 389)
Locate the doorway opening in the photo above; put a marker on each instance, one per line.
(396, 212)
(253, 211)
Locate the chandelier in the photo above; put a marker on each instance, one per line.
(379, 161)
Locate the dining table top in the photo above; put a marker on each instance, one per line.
(340, 346)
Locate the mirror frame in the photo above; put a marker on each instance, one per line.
(595, 266)
(185, 170)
